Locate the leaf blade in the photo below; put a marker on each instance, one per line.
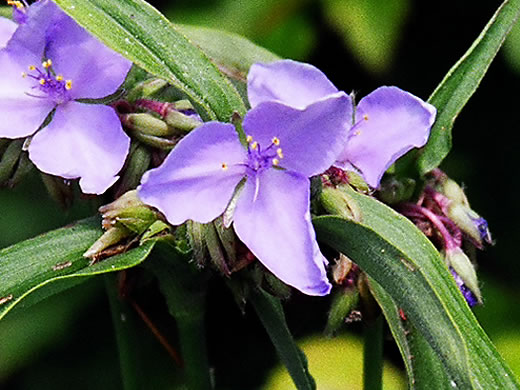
(142, 34)
(462, 80)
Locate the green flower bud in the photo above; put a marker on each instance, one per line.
(462, 265)
(338, 201)
(10, 153)
(344, 301)
(395, 190)
(145, 123)
(470, 223)
(453, 191)
(137, 164)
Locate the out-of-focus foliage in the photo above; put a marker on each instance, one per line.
(371, 29)
(336, 364)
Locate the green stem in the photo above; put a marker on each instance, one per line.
(124, 325)
(270, 312)
(185, 293)
(373, 355)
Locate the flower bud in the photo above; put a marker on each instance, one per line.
(181, 121)
(470, 223)
(395, 190)
(10, 153)
(453, 191)
(464, 268)
(59, 189)
(338, 201)
(137, 164)
(343, 302)
(124, 218)
(145, 123)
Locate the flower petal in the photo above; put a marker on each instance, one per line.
(7, 28)
(95, 70)
(293, 83)
(396, 121)
(83, 141)
(275, 225)
(311, 139)
(20, 114)
(193, 183)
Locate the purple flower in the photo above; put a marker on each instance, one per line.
(285, 146)
(7, 28)
(387, 123)
(81, 140)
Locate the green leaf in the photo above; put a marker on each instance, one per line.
(461, 82)
(270, 312)
(35, 269)
(371, 28)
(232, 53)
(393, 252)
(423, 367)
(143, 35)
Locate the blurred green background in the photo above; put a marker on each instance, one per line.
(67, 341)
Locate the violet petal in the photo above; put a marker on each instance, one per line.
(96, 71)
(390, 122)
(192, 183)
(20, 114)
(274, 223)
(310, 139)
(293, 83)
(7, 28)
(83, 141)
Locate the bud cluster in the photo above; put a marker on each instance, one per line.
(443, 213)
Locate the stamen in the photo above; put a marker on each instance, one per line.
(17, 4)
(254, 145)
(47, 64)
(357, 132)
(59, 77)
(365, 117)
(224, 166)
(276, 141)
(249, 139)
(279, 153)
(42, 81)
(276, 162)
(68, 85)
(24, 75)
(32, 67)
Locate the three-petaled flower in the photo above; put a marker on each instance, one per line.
(299, 125)
(81, 140)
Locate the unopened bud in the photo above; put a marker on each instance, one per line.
(470, 223)
(464, 268)
(343, 302)
(137, 164)
(450, 189)
(59, 189)
(338, 201)
(395, 190)
(182, 121)
(145, 123)
(10, 153)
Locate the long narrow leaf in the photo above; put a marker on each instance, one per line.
(142, 34)
(392, 251)
(461, 82)
(37, 268)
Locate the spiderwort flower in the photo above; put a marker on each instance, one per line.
(82, 140)
(285, 146)
(386, 124)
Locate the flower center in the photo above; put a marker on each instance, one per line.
(50, 85)
(259, 159)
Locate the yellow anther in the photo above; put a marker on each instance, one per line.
(357, 132)
(17, 4)
(224, 166)
(365, 117)
(42, 81)
(279, 152)
(249, 139)
(24, 75)
(59, 77)
(254, 145)
(276, 141)
(47, 64)
(68, 84)
(32, 67)
(276, 162)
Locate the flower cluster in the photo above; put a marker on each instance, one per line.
(81, 140)
(298, 126)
